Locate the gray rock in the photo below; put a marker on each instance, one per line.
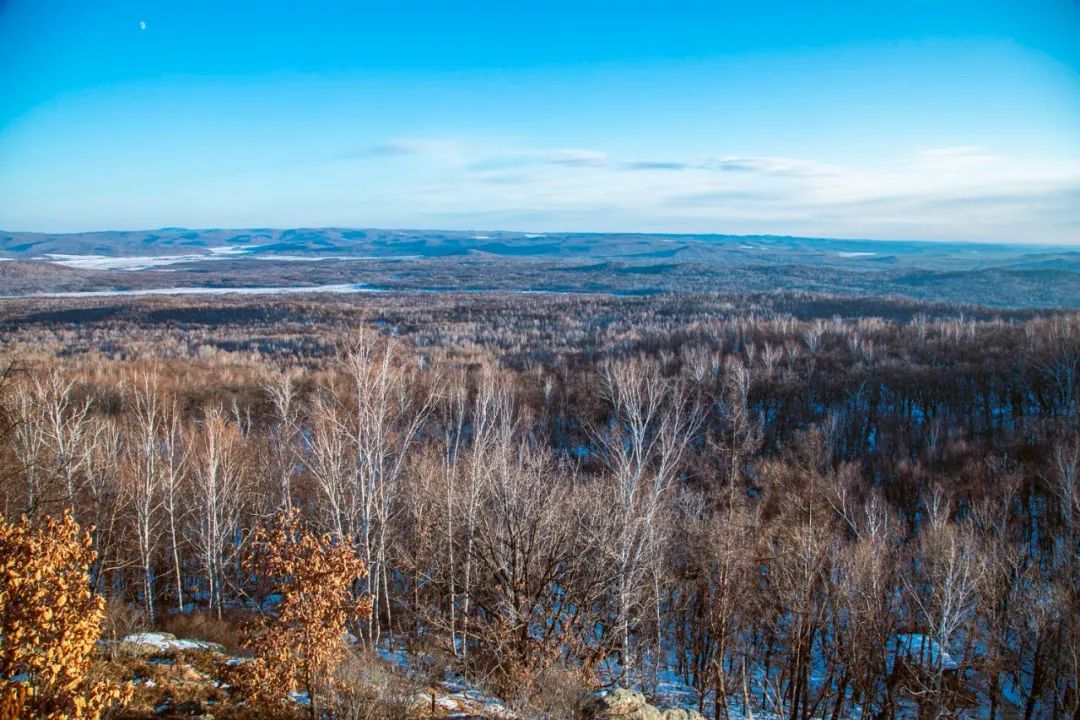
(679, 714)
(619, 704)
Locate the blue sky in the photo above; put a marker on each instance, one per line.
(907, 119)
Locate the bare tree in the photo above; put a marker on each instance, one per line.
(642, 447)
(217, 477)
(29, 447)
(944, 596)
(144, 464)
(1064, 483)
(362, 435)
(174, 487)
(285, 435)
(330, 460)
(69, 439)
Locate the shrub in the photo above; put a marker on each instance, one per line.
(50, 623)
(301, 645)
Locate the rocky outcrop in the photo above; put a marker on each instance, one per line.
(149, 643)
(623, 704)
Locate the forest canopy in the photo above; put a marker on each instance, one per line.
(790, 505)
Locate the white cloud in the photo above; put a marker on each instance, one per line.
(962, 192)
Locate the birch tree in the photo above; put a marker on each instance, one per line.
(144, 463)
(216, 483)
(642, 448)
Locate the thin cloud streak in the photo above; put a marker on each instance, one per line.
(409, 147)
(585, 158)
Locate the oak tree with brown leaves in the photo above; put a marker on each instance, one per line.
(300, 643)
(50, 622)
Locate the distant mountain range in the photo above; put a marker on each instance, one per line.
(178, 258)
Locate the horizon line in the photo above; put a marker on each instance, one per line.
(542, 233)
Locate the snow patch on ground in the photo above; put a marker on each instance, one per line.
(454, 691)
(301, 698)
(923, 651)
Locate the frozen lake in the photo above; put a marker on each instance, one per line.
(287, 290)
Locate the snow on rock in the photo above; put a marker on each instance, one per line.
(423, 701)
(681, 714)
(624, 704)
(169, 642)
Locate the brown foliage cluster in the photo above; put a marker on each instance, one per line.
(49, 622)
(300, 643)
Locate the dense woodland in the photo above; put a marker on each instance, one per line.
(800, 506)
